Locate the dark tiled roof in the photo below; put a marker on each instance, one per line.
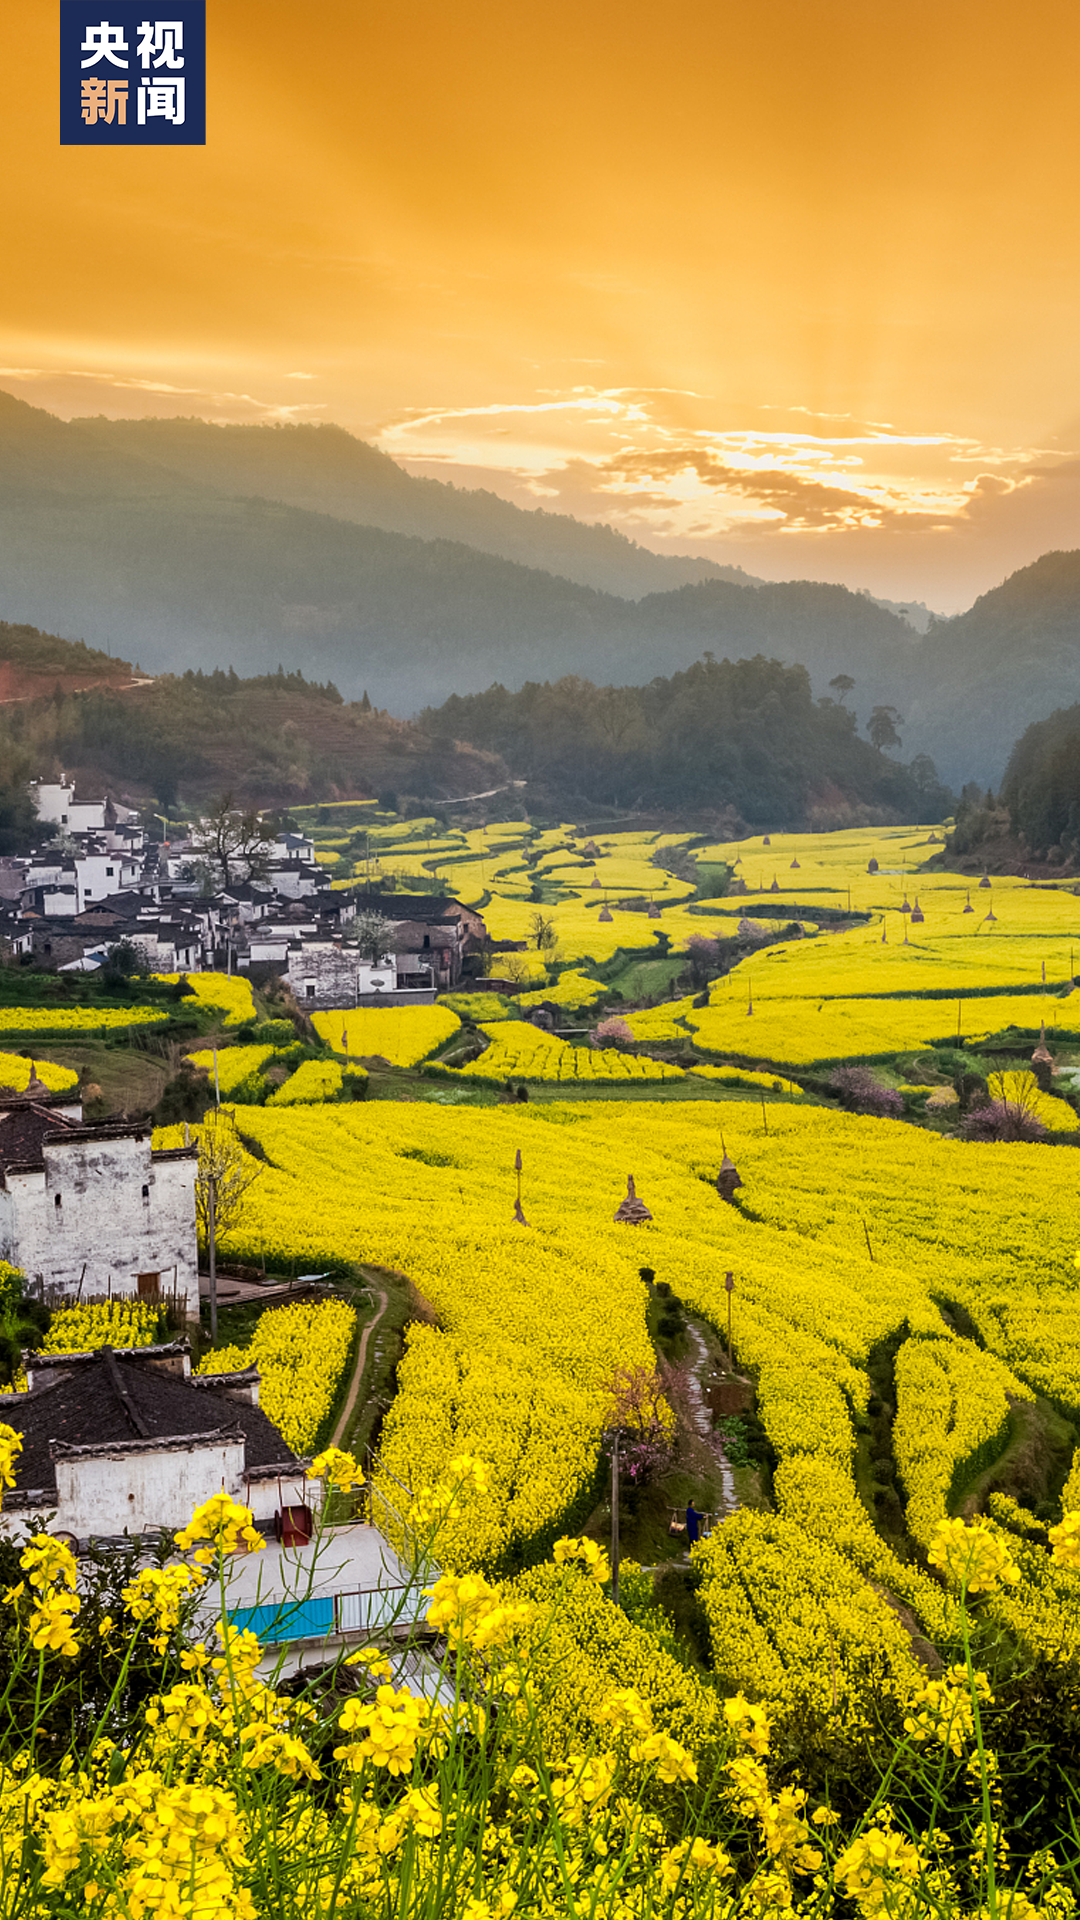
(107, 1400)
(427, 908)
(23, 1128)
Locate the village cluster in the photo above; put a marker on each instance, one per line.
(99, 881)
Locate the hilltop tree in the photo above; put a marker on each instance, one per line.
(842, 684)
(923, 772)
(882, 728)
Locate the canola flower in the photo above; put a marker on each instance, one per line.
(226, 994)
(476, 1006)
(337, 1468)
(17, 1069)
(744, 1077)
(519, 1051)
(314, 1080)
(301, 1351)
(943, 1710)
(608, 1771)
(108, 1323)
(808, 1032)
(402, 1035)
(858, 1227)
(218, 1527)
(1065, 1541)
(572, 989)
(532, 1320)
(952, 1415)
(973, 1556)
(55, 1021)
(239, 1069)
(793, 1620)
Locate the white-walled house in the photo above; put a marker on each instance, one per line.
(57, 807)
(129, 1441)
(327, 973)
(100, 873)
(93, 1205)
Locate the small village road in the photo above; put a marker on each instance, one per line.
(358, 1372)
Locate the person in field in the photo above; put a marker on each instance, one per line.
(693, 1522)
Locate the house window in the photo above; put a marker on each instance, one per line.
(427, 939)
(146, 1193)
(109, 871)
(87, 895)
(309, 990)
(57, 1202)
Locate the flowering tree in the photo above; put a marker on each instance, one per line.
(703, 956)
(615, 1032)
(640, 1418)
(1002, 1120)
(860, 1093)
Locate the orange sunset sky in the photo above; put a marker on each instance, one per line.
(794, 285)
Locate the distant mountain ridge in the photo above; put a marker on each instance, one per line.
(101, 537)
(1008, 661)
(324, 469)
(101, 540)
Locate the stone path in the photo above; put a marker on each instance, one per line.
(701, 1414)
(358, 1371)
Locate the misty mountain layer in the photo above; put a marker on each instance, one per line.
(181, 544)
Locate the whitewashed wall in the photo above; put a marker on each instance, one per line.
(108, 1204)
(142, 1485)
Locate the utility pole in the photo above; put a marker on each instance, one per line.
(211, 1235)
(729, 1287)
(615, 1520)
(217, 1086)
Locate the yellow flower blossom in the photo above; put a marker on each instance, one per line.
(590, 1555)
(339, 1468)
(225, 1524)
(973, 1557)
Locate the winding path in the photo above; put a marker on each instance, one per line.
(702, 1418)
(358, 1371)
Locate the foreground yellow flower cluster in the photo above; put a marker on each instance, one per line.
(532, 1782)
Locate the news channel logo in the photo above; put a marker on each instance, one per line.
(131, 77)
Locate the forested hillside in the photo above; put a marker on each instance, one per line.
(1010, 659)
(179, 544)
(1041, 787)
(272, 740)
(746, 736)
